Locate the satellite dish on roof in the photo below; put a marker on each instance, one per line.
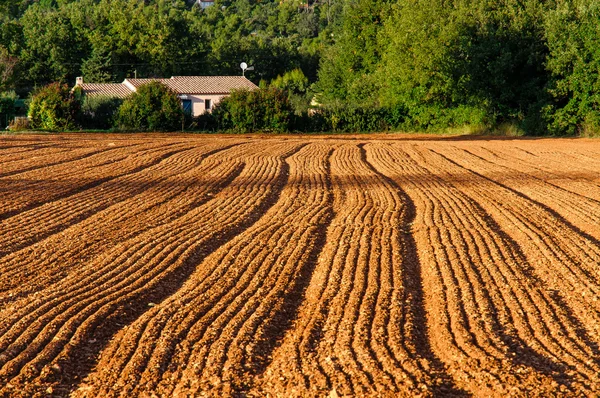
(245, 67)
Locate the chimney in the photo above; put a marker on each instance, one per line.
(78, 81)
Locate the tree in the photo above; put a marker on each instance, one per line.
(573, 35)
(7, 107)
(254, 110)
(54, 107)
(296, 85)
(52, 46)
(348, 65)
(449, 63)
(152, 107)
(8, 64)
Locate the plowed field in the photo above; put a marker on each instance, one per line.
(385, 266)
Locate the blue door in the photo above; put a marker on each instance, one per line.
(187, 106)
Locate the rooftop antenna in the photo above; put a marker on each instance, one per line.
(245, 67)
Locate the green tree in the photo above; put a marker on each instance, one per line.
(573, 35)
(256, 110)
(54, 107)
(153, 107)
(296, 85)
(52, 46)
(7, 107)
(348, 65)
(457, 62)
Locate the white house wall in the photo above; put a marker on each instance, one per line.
(198, 106)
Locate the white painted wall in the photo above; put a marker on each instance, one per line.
(198, 104)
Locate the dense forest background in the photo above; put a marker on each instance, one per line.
(532, 65)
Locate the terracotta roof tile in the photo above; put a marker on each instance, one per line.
(179, 84)
(105, 89)
(201, 84)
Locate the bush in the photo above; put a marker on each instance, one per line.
(19, 124)
(351, 119)
(257, 110)
(153, 107)
(99, 112)
(7, 108)
(54, 107)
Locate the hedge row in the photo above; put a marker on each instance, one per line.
(154, 107)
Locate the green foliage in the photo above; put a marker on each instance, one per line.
(296, 85)
(257, 110)
(433, 64)
(52, 45)
(109, 40)
(347, 67)
(153, 107)
(573, 35)
(466, 62)
(54, 107)
(99, 112)
(7, 108)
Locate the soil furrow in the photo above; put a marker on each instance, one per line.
(94, 303)
(54, 183)
(580, 210)
(568, 251)
(343, 339)
(160, 204)
(64, 158)
(570, 342)
(497, 278)
(148, 265)
(52, 217)
(222, 296)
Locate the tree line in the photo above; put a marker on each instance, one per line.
(532, 65)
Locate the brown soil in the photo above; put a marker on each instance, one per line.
(156, 265)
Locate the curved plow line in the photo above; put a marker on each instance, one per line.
(84, 154)
(56, 184)
(95, 299)
(41, 221)
(226, 304)
(103, 301)
(552, 235)
(568, 203)
(187, 300)
(14, 159)
(122, 224)
(575, 154)
(104, 271)
(578, 350)
(71, 155)
(198, 190)
(359, 360)
(52, 217)
(369, 364)
(575, 180)
(502, 273)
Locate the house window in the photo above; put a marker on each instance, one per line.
(207, 104)
(187, 106)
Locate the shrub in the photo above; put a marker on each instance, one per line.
(99, 112)
(54, 107)
(351, 119)
(257, 110)
(19, 124)
(153, 107)
(7, 107)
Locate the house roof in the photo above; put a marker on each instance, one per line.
(200, 84)
(179, 84)
(118, 90)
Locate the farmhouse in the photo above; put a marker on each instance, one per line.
(198, 94)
